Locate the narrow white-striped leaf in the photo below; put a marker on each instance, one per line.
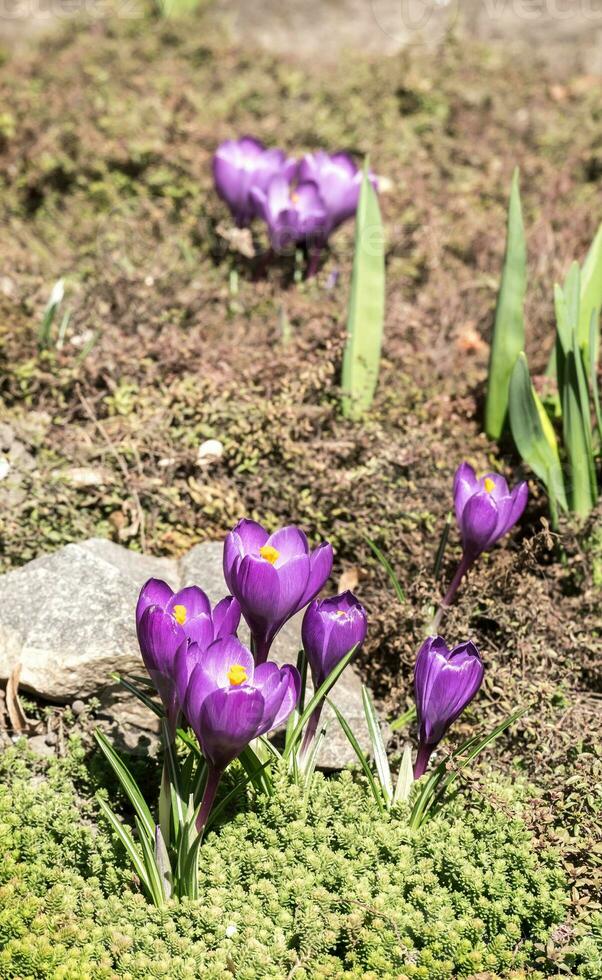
(405, 779)
(379, 751)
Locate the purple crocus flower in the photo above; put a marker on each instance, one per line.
(338, 180)
(167, 620)
(243, 164)
(292, 214)
(485, 508)
(273, 576)
(331, 628)
(228, 701)
(445, 681)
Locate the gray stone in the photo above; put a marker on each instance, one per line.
(39, 745)
(68, 618)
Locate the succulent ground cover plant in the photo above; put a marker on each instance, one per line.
(286, 883)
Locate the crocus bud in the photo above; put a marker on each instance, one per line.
(272, 576)
(485, 509)
(292, 213)
(445, 681)
(338, 180)
(228, 701)
(241, 165)
(331, 628)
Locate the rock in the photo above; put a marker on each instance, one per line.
(39, 745)
(68, 618)
(78, 707)
(83, 477)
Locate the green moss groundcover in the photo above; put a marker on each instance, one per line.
(325, 887)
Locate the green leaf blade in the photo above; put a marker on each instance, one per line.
(534, 435)
(365, 322)
(591, 291)
(509, 328)
(379, 752)
(128, 783)
(318, 696)
(361, 756)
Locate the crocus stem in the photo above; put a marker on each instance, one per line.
(313, 263)
(260, 648)
(449, 596)
(165, 803)
(213, 778)
(310, 732)
(263, 263)
(422, 759)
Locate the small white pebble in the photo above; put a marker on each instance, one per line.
(209, 452)
(231, 930)
(4, 467)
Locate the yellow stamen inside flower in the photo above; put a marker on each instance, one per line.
(237, 675)
(270, 554)
(489, 484)
(179, 613)
(339, 613)
(294, 197)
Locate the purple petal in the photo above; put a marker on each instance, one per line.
(454, 686)
(155, 592)
(226, 617)
(278, 194)
(478, 524)
(345, 163)
(224, 654)
(159, 636)
(280, 689)
(465, 485)
(272, 684)
(193, 691)
(232, 187)
(250, 536)
(200, 631)
(188, 656)
(257, 587)
(259, 202)
(269, 164)
(250, 147)
(292, 583)
(499, 490)
(338, 182)
(227, 721)
(290, 542)
(246, 538)
(283, 228)
(320, 567)
(518, 502)
(432, 654)
(193, 600)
